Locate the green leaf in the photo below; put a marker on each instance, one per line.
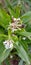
(24, 43)
(1, 30)
(17, 11)
(4, 55)
(21, 62)
(22, 53)
(1, 48)
(26, 17)
(3, 52)
(23, 33)
(7, 61)
(0, 64)
(10, 9)
(14, 11)
(3, 35)
(28, 26)
(4, 18)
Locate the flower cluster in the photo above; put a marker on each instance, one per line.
(8, 44)
(16, 24)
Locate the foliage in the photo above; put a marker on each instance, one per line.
(21, 37)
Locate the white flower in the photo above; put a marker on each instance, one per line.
(14, 25)
(24, 38)
(8, 44)
(11, 56)
(14, 30)
(18, 19)
(14, 19)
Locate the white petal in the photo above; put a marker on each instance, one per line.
(7, 46)
(14, 19)
(18, 19)
(13, 30)
(5, 42)
(11, 56)
(11, 45)
(24, 38)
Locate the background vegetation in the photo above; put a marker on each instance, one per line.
(20, 54)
